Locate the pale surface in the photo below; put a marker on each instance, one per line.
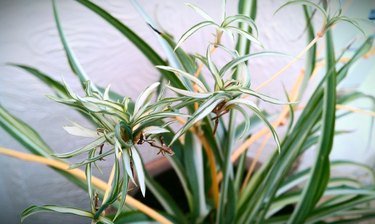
(28, 36)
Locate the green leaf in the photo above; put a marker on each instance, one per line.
(194, 168)
(305, 2)
(192, 30)
(241, 19)
(78, 130)
(53, 84)
(324, 213)
(246, 119)
(96, 143)
(263, 97)
(240, 171)
(31, 140)
(186, 75)
(301, 176)
(245, 34)
(113, 191)
(58, 87)
(310, 55)
(182, 176)
(257, 111)
(226, 210)
(348, 20)
(52, 208)
(143, 100)
(138, 165)
(219, 83)
(23, 133)
(92, 159)
(73, 62)
(342, 191)
(165, 199)
(88, 173)
(244, 58)
(249, 9)
(255, 124)
(172, 59)
(96, 105)
(200, 12)
(124, 189)
(145, 48)
(126, 161)
(320, 172)
(267, 180)
(190, 93)
(204, 110)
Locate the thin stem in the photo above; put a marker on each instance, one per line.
(81, 175)
(299, 56)
(348, 108)
(242, 148)
(355, 110)
(211, 160)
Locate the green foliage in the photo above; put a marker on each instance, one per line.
(201, 146)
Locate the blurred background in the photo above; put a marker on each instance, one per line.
(29, 36)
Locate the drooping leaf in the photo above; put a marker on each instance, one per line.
(21, 131)
(305, 2)
(145, 48)
(192, 30)
(73, 62)
(200, 12)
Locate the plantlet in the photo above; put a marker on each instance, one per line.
(208, 141)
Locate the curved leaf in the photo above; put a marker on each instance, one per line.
(192, 30)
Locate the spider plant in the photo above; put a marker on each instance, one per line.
(195, 127)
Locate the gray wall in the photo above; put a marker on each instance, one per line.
(28, 36)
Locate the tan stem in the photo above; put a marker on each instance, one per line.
(81, 175)
(355, 110)
(348, 108)
(211, 160)
(299, 56)
(284, 113)
(196, 74)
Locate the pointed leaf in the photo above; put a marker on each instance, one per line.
(190, 93)
(138, 165)
(81, 131)
(200, 12)
(185, 75)
(52, 208)
(73, 62)
(143, 99)
(192, 30)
